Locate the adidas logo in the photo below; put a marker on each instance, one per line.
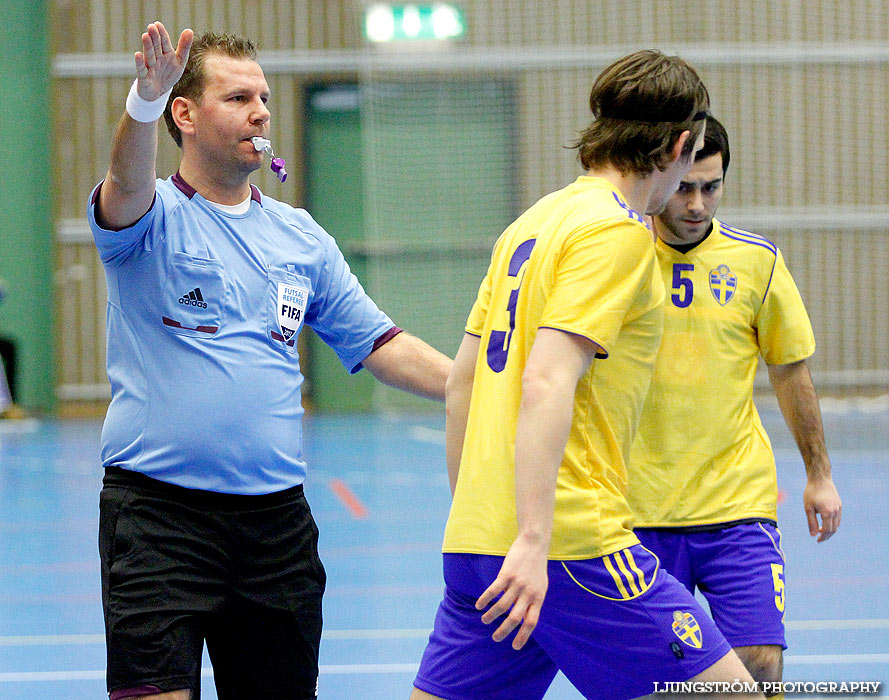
(193, 298)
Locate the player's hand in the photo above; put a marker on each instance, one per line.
(158, 66)
(522, 581)
(821, 498)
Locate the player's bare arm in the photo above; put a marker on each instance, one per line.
(555, 364)
(128, 190)
(458, 392)
(799, 405)
(408, 363)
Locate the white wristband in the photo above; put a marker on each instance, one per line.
(145, 110)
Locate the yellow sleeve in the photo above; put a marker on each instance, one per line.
(476, 322)
(597, 278)
(782, 324)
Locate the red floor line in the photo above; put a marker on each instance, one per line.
(348, 499)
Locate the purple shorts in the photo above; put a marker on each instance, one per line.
(613, 625)
(739, 570)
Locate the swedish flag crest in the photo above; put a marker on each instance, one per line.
(687, 629)
(723, 284)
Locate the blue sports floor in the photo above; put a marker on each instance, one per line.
(379, 492)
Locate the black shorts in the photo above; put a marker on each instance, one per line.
(181, 566)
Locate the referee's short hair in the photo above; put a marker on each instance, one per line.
(191, 84)
(641, 104)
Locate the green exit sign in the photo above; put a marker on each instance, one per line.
(438, 21)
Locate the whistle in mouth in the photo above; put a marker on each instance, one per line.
(277, 165)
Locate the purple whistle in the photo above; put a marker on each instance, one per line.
(261, 144)
(278, 168)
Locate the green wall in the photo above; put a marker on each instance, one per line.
(25, 204)
(439, 189)
(335, 197)
(415, 181)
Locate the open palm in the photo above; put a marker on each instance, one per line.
(158, 66)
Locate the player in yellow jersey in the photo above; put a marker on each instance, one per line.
(542, 404)
(702, 473)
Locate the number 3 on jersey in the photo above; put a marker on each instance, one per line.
(498, 343)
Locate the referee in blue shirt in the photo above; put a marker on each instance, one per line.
(205, 534)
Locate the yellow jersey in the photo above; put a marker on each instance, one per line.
(701, 455)
(580, 261)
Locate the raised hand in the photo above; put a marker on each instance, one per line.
(158, 66)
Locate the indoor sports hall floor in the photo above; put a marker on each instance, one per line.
(379, 492)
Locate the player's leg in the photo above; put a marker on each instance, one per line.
(9, 366)
(741, 573)
(461, 660)
(727, 672)
(155, 589)
(265, 652)
(729, 669)
(5, 395)
(417, 694)
(621, 627)
(264, 642)
(765, 663)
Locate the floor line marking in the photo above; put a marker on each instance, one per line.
(206, 672)
(51, 640)
(416, 633)
(347, 498)
(864, 624)
(421, 433)
(378, 634)
(85, 639)
(823, 659)
(356, 669)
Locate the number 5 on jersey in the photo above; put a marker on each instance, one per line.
(778, 580)
(683, 289)
(498, 343)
